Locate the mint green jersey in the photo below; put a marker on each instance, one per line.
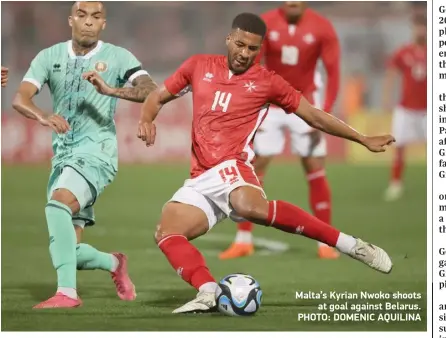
(89, 114)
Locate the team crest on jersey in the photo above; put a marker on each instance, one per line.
(274, 35)
(250, 87)
(309, 38)
(100, 66)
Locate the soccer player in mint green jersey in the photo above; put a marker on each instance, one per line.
(86, 77)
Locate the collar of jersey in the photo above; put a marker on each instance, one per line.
(86, 56)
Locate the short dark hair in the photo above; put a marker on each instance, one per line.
(251, 23)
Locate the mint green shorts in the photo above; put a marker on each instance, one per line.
(84, 178)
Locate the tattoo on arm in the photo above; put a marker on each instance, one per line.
(142, 86)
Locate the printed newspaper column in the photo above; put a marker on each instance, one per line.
(439, 169)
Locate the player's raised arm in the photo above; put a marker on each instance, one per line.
(34, 80)
(329, 124)
(290, 100)
(149, 111)
(331, 53)
(141, 84)
(175, 86)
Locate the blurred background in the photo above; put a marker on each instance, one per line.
(163, 34)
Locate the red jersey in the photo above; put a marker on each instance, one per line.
(227, 107)
(411, 62)
(293, 51)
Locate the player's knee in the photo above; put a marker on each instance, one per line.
(252, 210)
(163, 231)
(66, 197)
(312, 164)
(157, 235)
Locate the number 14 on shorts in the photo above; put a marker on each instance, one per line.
(229, 174)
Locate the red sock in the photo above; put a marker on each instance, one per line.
(398, 165)
(290, 218)
(320, 196)
(245, 226)
(248, 226)
(186, 260)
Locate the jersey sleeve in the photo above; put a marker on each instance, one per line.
(39, 70)
(180, 82)
(131, 67)
(284, 95)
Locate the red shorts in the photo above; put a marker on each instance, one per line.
(211, 190)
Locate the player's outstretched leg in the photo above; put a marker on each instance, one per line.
(395, 189)
(59, 212)
(319, 198)
(89, 258)
(243, 244)
(249, 203)
(179, 224)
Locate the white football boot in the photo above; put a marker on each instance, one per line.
(204, 302)
(371, 255)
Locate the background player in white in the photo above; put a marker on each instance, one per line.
(409, 63)
(85, 157)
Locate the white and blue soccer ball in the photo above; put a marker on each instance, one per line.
(238, 295)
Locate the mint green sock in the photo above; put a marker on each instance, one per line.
(62, 243)
(89, 258)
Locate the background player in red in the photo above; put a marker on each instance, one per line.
(409, 117)
(296, 39)
(228, 96)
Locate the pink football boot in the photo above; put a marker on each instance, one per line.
(59, 300)
(124, 286)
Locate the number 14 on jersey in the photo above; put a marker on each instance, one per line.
(221, 99)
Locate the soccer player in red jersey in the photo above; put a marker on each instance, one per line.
(297, 37)
(409, 117)
(229, 93)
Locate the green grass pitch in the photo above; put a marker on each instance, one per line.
(126, 217)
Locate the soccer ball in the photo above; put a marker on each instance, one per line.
(238, 295)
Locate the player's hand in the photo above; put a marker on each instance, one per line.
(56, 123)
(315, 139)
(5, 72)
(378, 144)
(147, 132)
(98, 82)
